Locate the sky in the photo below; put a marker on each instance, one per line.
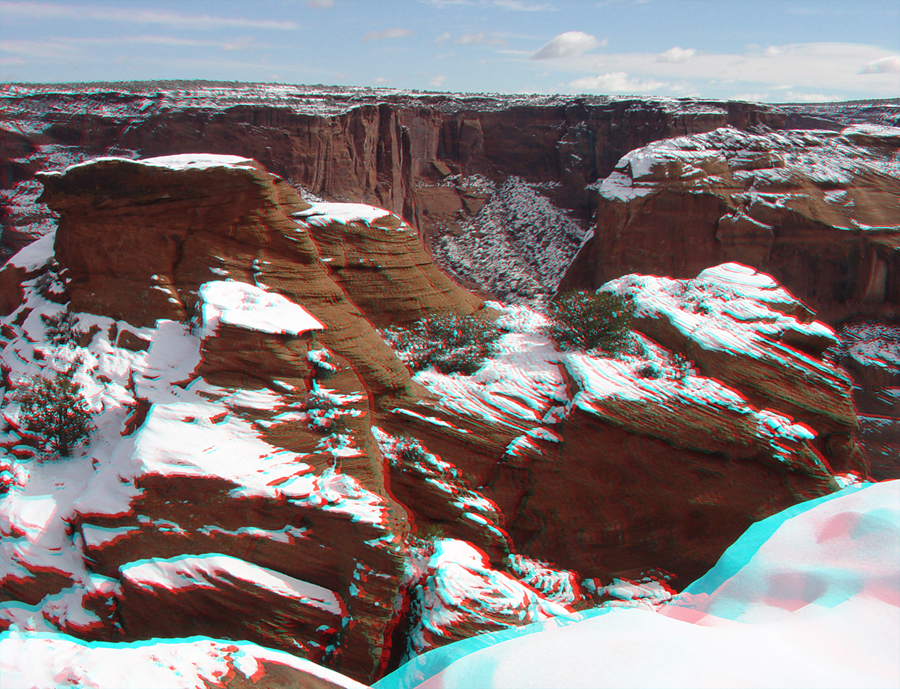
(761, 50)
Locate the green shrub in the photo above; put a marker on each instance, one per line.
(588, 320)
(433, 531)
(63, 328)
(55, 411)
(450, 343)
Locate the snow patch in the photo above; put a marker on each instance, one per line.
(248, 306)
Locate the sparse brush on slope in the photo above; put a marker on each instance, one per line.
(55, 411)
(450, 343)
(62, 328)
(588, 320)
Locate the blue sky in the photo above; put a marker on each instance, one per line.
(785, 50)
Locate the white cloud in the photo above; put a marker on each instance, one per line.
(522, 6)
(72, 48)
(676, 54)
(43, 49)
(319, 4)
(443, 38)
(438, 80)
(809, 68)
(568, 44)
(790, 96)
(513, 5)
(884, 65)
(245, 43)
(480, 38)
(772, 51)
(131, 15)
(616, 82)
(380, 80)
(385, 34)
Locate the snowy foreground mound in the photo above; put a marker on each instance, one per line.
(58, 660)
(809, 597)
(806, 598)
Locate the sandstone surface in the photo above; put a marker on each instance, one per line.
(435, 160)
(818, 210)
(259, 446)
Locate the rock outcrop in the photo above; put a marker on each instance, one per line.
(870, 352)
(818, 210)
(260, 448)
(569, 446)
(153, 247)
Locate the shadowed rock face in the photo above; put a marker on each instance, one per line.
(250, 454)
(818, 210)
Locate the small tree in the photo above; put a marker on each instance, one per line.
(55, 411)
(588, 320)
(63, 328)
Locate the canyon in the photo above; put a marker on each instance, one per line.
(265, 462)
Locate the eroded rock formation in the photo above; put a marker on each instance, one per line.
(817, 209)
(452, 165)
(260, 447)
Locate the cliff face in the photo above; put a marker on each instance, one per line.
(818, 210)
(264, 461)
(426, 158)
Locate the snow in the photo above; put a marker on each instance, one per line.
(749, 168)
(806, 598)
(191, 429)
(324, 213)
(36, 254)
(871, 132)
(870, 344)
(183, 161)
(521, 389)
(730, 308)
(47, 661)
(454, 586)
(517, 246)
(35, 521)
(204, 571)
(514, 390)
(621, 187)
(248, 306)
(647, 593)
(683, 412)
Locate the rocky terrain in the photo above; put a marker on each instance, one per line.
(481, 176)
(265, 468)
(818, 210)
(265, 462)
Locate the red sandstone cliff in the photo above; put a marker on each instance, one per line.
(425, 157)
(248, 467)
(818, 210)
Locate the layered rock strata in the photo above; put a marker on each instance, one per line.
(260, 447)
(818, 210)
(435, 160)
